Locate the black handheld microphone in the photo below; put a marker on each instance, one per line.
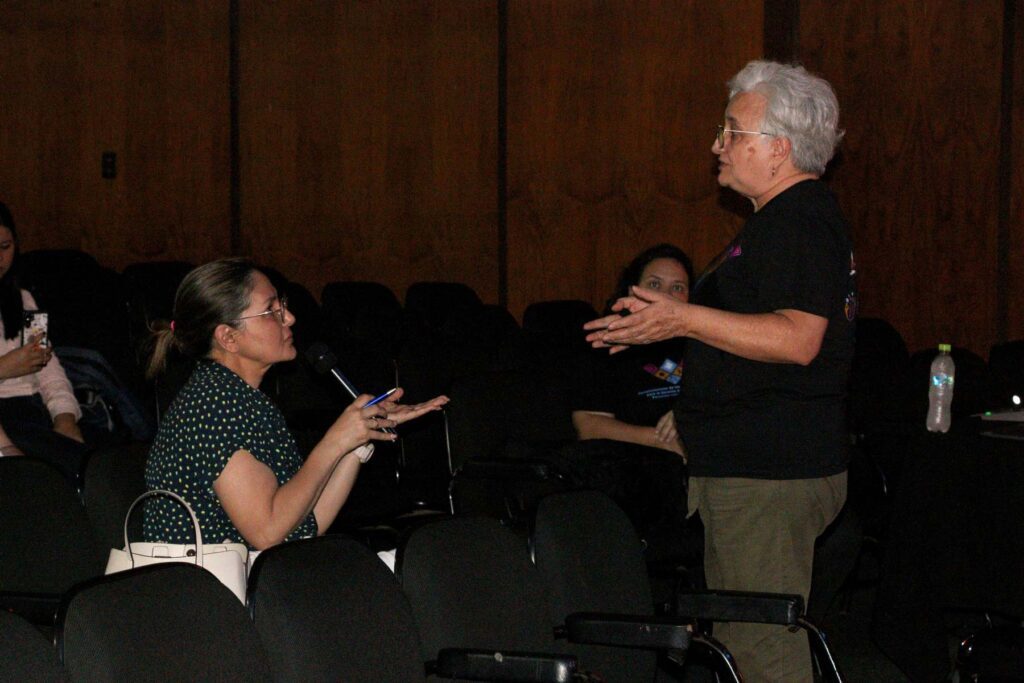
(324, 362)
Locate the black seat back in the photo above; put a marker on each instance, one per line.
(471, 585)
(328, 609)
(171, 621)
(46, 539)
(115, 475)
(503, 413)
(879, 367)
(554, 335)
(591, 560)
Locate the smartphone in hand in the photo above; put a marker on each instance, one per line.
(36, 323)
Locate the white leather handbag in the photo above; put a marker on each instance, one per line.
(227, 561)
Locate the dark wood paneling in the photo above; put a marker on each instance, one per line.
(368, 140)
(781, 29)
(611, 112)
(147, 80)
(919, 84)
(1014, 286)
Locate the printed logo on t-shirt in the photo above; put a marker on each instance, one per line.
(669, 371)
(669, 391)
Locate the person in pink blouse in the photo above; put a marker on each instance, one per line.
(38, 409)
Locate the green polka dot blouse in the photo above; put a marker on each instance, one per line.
(215, 415)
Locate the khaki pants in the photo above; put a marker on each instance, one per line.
(759, 536)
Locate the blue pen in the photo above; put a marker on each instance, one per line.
(380, 398)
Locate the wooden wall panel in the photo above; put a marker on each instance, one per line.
(1015, 280)
(369, 140)
(611, 116)
(145, 80)
(919, 87)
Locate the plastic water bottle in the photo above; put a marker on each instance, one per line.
(940, 391)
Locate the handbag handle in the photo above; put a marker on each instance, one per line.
(175, 496)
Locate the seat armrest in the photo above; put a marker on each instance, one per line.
(491, 665)
(760, 608)
(627, 630)
(507, 469)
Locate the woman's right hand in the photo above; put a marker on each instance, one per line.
(360, 424)
(25, 360)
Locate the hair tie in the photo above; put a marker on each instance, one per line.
(172, 326)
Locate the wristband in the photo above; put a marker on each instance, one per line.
(364, 452)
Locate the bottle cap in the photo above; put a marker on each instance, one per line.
(946, 348)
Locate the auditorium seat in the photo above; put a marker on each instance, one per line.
(328, 609)
(114, 476)
(505, 430)
(428, 305)
(877, 373)
(46, 539)
(426, 368)
(163, 622)
(472, 587)
(593, 567)
(554, 330)
(362, 324)
(591, 560)
(585, 548)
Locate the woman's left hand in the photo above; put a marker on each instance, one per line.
(653, 317)
(403, 413)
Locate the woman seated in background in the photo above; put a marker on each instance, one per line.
(38, 408)
(626, 399)
(630, 397)
(224, 446)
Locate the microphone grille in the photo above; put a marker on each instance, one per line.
(321, 358)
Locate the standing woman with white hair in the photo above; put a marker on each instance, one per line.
(762, 408)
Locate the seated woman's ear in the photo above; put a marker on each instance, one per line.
(225, 338)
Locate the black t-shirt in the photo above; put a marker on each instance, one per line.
(637, 386)
(744, 418)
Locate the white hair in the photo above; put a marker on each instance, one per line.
(801, 107)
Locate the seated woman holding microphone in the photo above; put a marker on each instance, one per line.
(224, 447)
